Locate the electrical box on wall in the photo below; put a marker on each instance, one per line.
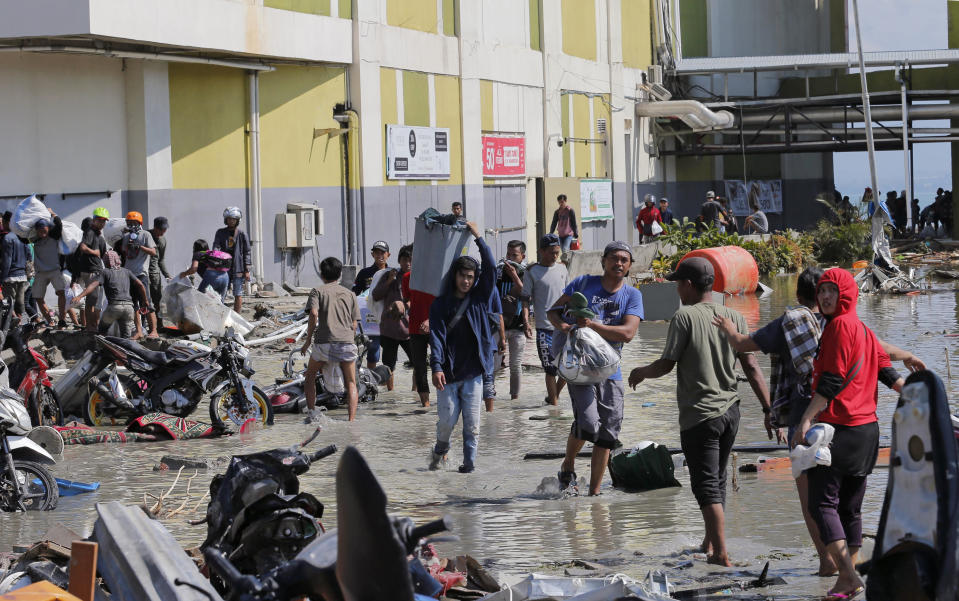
(299, 226)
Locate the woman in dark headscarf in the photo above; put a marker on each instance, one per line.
(847, 369)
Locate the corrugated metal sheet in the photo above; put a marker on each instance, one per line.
(798, 62)
(141, 561)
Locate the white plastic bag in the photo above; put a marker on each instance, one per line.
(70, 238)
(656, 228)
(25, 216)
(375, 307)
(113, 230)
(333, 378)
(586, 358)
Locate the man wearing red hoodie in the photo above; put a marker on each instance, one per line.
(646, 218)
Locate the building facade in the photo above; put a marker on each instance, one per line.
(183, 107)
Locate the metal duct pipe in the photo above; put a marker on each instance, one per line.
(693, 113)
(921, 112)
(151, 56)
(889, 143)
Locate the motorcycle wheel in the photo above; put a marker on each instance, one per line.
(44, 407)
(94, 413)
(42, 491)
(224, 415)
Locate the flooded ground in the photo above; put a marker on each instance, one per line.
(497, 512)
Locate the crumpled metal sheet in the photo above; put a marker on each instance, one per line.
(141, 561)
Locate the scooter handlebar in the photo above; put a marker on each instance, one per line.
(324, 452)
(430, 528)
(244, 587)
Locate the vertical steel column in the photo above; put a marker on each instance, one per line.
(907, 172)
(870, 144)
(256, 201)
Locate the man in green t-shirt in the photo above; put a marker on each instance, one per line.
(706, 392)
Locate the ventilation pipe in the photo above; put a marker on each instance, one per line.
(694, 114)
(255, 218)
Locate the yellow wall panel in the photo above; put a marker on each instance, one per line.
(579, 28)
(637, 34)
(486, 102)
(450, 8)
(313, 7)
(294, 101)
(448, 114)
(208, 119)
(416, 98)
(413, 14)
(345, 9)
(600, 111)
(388, 110)
(582, 128)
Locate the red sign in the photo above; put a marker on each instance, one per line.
(504, 156)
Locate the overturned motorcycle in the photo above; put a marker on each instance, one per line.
(174, 382)
(288, 395)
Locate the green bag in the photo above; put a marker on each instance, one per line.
(647, 469)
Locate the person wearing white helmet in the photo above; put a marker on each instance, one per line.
(231, 239)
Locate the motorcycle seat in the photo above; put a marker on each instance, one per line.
(155, 357)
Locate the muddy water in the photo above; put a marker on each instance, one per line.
(497, 511)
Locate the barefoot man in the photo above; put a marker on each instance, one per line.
(706, 392)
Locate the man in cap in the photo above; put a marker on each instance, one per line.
(543, 284)
(48, 267)
(89, 264)
(712, 212)
(705, 391)
(158, 269)
(364, 282)
(648, 215)
(611, 307)
(665, 212)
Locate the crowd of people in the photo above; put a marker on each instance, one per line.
(113, 286)
(826, 367)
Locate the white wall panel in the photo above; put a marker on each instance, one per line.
(505, 23)
(63, 124)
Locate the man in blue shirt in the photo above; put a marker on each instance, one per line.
(461, 345)
(598, 408)
(665, 212)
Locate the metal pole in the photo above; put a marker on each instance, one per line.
(900, 75)
(870, 146)
(255, 216)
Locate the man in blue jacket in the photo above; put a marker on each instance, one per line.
(461, 343)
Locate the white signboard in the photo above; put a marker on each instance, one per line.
(596, 200)
(768, 194)
(417, 152)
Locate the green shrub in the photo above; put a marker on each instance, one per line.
(841, 244)
(787, 252)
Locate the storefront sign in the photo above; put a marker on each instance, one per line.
(768, 195)
(417, 152)
(504, 156)
(596, 199)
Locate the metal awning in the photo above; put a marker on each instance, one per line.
(804, 62)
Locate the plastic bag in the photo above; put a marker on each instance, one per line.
(113, 230)
(586, 358)
(25, 216)
(656, 228)
(646, 468)
(70, 238)
(333, 378)
(375, 307)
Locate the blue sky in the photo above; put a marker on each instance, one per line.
(899, 25)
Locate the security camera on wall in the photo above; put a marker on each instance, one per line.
(560, 142)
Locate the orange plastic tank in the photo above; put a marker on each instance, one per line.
(736, 269)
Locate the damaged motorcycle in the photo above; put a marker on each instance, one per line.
(174, 382)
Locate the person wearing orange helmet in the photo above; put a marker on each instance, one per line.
(136, 248)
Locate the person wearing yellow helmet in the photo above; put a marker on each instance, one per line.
(137, 248)
(92, 249)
